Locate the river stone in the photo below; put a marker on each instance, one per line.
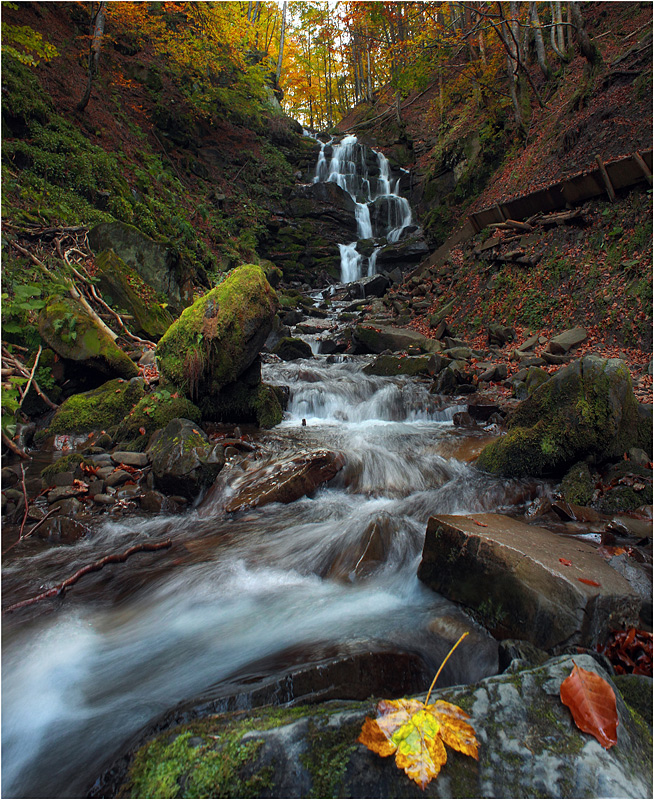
(183, 459)
(565, 341)
(377, 339)
(409, 365)
(285, 481)
(130, 459)
(291, 349)
(528, 747)
(585, 411)
(511, 576)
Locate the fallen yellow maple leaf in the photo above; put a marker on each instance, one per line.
(417, 733)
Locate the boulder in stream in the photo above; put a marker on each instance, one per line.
(378, 338)
(217, 338)
(99, 409)
(525, 582)
(409, 365)
(183, 459)
(585, 411)
(290, 349)
(528, 747)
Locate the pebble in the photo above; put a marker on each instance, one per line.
(117, 477)
(104, 499)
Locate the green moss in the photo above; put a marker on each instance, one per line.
(328, 755)
(577, 486)
(212, 342)
(123, 288)
(73, 334)
(98, 409)
(66, 463)
(154, 411)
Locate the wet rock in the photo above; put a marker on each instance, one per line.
(494, 373)
(290, 349)
(9, 478)
(130, 459)
(587, 410)
(285, 481)
(96, 487)
(104, 499)
(408, 365)
(368, 554)
(511, 577)
(529, 746)
(463, 419)
(183, 459)
(527, 654)
(63, 479)
(61, 492)
(482, 409)
(153, 501)
(567, 340)
(62, 530)
(118, 477)
(373, 286)
(377, 339)
(578, 485)
(631, 526)
(446, 383)
(70, 506)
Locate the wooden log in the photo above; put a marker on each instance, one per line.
(647, 172)
(473, 221)
(605, 177)
(501, 213)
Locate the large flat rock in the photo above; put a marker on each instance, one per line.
(525, 582)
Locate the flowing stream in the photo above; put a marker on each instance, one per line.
(381, 212)
(243, 597)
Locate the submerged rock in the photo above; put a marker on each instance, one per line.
(587, 410)
(528, 747)
(525, 582)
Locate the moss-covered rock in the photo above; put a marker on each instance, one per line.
(67, 463)
(529, 746)
(75, 336)
(240, 402)
(154, 411)
(217, 338)
(99, 409)
(577, 485)
(123, 288)
(290, 349)
(184, 461)
(411, 365)
(587, 410)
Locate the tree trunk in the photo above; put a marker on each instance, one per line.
(278, 74)
(97, 27)
(588, 50)
(541, 56)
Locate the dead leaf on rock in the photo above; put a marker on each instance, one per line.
(591, 701)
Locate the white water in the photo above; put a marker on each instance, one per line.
(244, 590)
(348, 168)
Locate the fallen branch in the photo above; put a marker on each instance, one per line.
(31, 530)
(29, 382)
(22, 369)
(115, 558)
(24, 488)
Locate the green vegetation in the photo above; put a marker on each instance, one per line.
(99, 409)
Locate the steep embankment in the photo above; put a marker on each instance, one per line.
(465, 156)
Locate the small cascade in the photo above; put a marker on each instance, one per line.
(381, 213)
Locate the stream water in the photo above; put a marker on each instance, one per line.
(245, 595)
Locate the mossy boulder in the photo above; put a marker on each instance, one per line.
(241, 402)
(184, 461)
(217, 338)
(67, 463)
(289, 348)
(123, 288)
(586, 411)
(578, 485)
(529, 746)
(75, 336)
(99, 409)
(158, 265)
(154, 411)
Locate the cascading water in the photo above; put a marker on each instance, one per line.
(243, 597)
(381, 212)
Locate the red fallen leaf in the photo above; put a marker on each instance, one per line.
(142, 431)
(565, 562)
(589, 582)
(481, 524)
(591, 701)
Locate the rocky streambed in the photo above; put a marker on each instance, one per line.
(336, 556)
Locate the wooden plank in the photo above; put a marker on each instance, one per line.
(473, 221)
(647, 172)
(605, 177)
(501, 213)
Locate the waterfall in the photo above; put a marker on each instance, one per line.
(346, 164)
